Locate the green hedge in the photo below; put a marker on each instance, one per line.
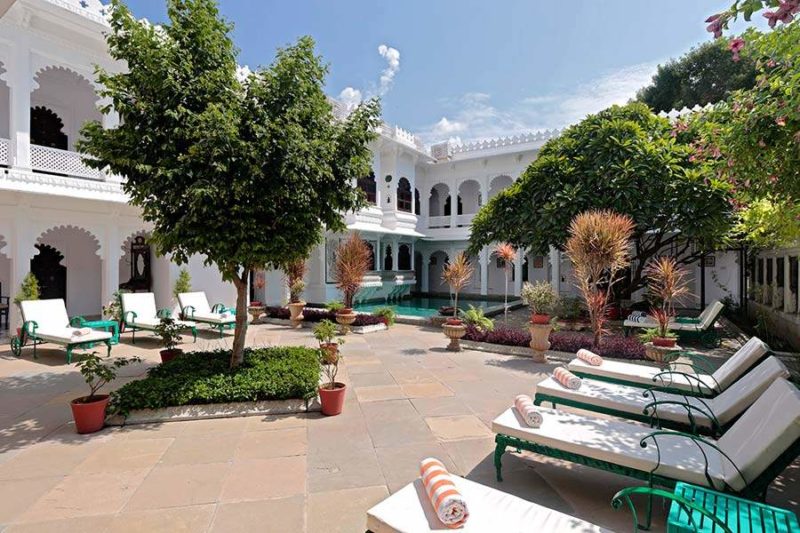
(278, 373)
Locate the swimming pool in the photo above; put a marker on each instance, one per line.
(425, 307)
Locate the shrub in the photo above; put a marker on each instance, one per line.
(318, 315)
(183, 283)
(353, 259)
(540, 297)
(29, 289)
(387, 314)
(474, 315)
(276, 373)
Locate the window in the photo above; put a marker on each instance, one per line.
(367, 184)
(779, 273)
(404, 257)
(404, 195)
(387, 260)
(416, 202)
(371, 247)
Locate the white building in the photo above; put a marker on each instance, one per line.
(72, 225)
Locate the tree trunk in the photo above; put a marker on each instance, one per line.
(240, 333)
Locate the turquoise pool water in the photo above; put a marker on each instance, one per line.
(424, 307)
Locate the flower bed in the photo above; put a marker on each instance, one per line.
(277, 373)
(615, 346)
(318, 315)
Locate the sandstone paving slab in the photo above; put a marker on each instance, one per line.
(372, 379)
(281, 515)
(260, 479)
(200, 449)
(342, 467)
(179, 486)
(268, 444)
(16, 495)
(122, 455)
(394, 421)
(400, 463)
(174, 520)
(82, 524)
(457, 427)
(379, 393)
(342, 511)
(426, 390)
(440, 406)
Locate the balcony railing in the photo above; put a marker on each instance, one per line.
(5, 148)
(55, 161)
(464, 220)
(439, 222)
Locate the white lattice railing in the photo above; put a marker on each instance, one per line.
(439, 222)
(5, 148)
(464, 220)
(61, 162)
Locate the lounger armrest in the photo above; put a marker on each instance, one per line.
(218, 308)
(651, 410)
(689, 507)
(164, 313)
(77, 321)
(699, 442)
(665, 380)
(29, 327)
(129, 317)
(188, 311)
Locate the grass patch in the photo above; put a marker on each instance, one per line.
(276, 373)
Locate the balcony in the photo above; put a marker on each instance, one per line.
(446, 221)
(63, 162)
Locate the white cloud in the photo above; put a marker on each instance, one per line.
(392, 57)
(350, 97)
(475, 117)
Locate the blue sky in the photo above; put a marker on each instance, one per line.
(469, 69)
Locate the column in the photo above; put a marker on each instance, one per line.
(518, 272)
(426, 258)
(484, 262)
(555, 269)
(378, 255)
(20, 83)
(424, 208)
(774, 288)
(21, 252)
(394, 254)
(787, 291)
(454, 206)
(111, 257)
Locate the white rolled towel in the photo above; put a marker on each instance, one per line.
(590, 357)
(81, 332)
(566, 378)
(527, 410)
(447, 502)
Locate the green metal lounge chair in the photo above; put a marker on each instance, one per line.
(663, 409)
(47, 321)
(697, 380)
(701, 328)
(139, 313)
(744, 461)
(194, 307)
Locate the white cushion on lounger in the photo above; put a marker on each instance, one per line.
(66, 336)
(48, 314)
(409, 511)
(202, 311)
(740, 362)
(141, 303)
(705, 320)
(765, 431)
(616, 442)
(214, 318)
(731, 403)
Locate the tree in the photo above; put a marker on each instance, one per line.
(625, 159)
(704, 75)
(507, 254)
(183, 283)
(246, 169)
(457, 274)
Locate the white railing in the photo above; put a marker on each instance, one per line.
(57, 161)
(464, 220)
(439, 222)
(5, 149)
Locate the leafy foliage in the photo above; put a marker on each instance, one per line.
(98, 371)
(387, 314)
(353, 259)
(213, 158)
(625, 159)
(703, 75)
(666, 284)
(507, 254)
(457, 274)
(295, 271)
(28, 290)
(277, 373)
(539, 296)
(474, 316)
(170, 332)
(183, 283)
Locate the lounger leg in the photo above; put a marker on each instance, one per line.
(133, 335)
(499, 450)
(194, 334)
(108, 348)
(69, 355)
(35, 343)
(220, 331)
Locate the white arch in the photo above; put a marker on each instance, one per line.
(498, 183)
(469, 191)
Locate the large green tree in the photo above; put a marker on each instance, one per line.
(625, 159)
(703, 75)
(245, 169)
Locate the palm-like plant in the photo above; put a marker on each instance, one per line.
(598, 247)
(295, 271)
(508, 255)
(667, 283)
(353, 259)
(457, 274)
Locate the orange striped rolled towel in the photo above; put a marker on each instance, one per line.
(567, 378)
(590, 357)
(524, 406)
(450, 507)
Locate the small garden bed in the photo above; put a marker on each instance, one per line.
(318, 315)
(615, 346)
(196, 378)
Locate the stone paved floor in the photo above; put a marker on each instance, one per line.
(407, 398)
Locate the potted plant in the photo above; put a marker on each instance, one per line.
(353, 259)
(506, 253)
(568, 310)
(295, 270)
(113, 310)
(28, 290)
(170, 332)
(387, 315)
(89, 412)
(541, 298)
(666, 283)
(255, 309)
(456, 274)
(331, 392)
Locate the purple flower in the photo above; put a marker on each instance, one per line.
(735, 46)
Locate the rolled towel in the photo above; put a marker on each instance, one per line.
(524, 406)
(567, 378)
(81, 332)
(590, 357)
(450, 507)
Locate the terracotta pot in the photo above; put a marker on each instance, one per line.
(296, 313)
(660, 354)
(664, 341)
(255, 303)
(169, 355)
(454, 322)
(537, 318)
(540, 341)
(330, 352)
(454, 332)
(255, 311)
(345, 311)
(332, 400)
(89, 416)
(344, 320)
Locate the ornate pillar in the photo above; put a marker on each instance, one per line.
(21, 251)
(426, 259)
(555, 269)
(518, 272)
(787, 291)
(111, 257)
(378, 255)
(394, 254)
(454, 206)
(483, 257)
(20, 84)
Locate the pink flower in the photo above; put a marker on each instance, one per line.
(715, 24)
(771, 63)
(735, 46)
(773, 179)
(780, 121)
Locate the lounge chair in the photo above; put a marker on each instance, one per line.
(194, 306)
(698, 383)
(47, 321)
(744, 461)
(663, 409)
(701, 328)
(139, 313)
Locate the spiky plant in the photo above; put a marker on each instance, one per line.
(598, 246)
(508, 255)
(457, 274)
(295, 271)
(353, 259)
(667, 282)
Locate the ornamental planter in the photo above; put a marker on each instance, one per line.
(454, 330)
(540, 341)
(665, 342)
(255, 311)
(89, 416)
(660, 354)
(332, 400)
(345, 319)
(169, 355)
(541, 319)
(296, 314)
